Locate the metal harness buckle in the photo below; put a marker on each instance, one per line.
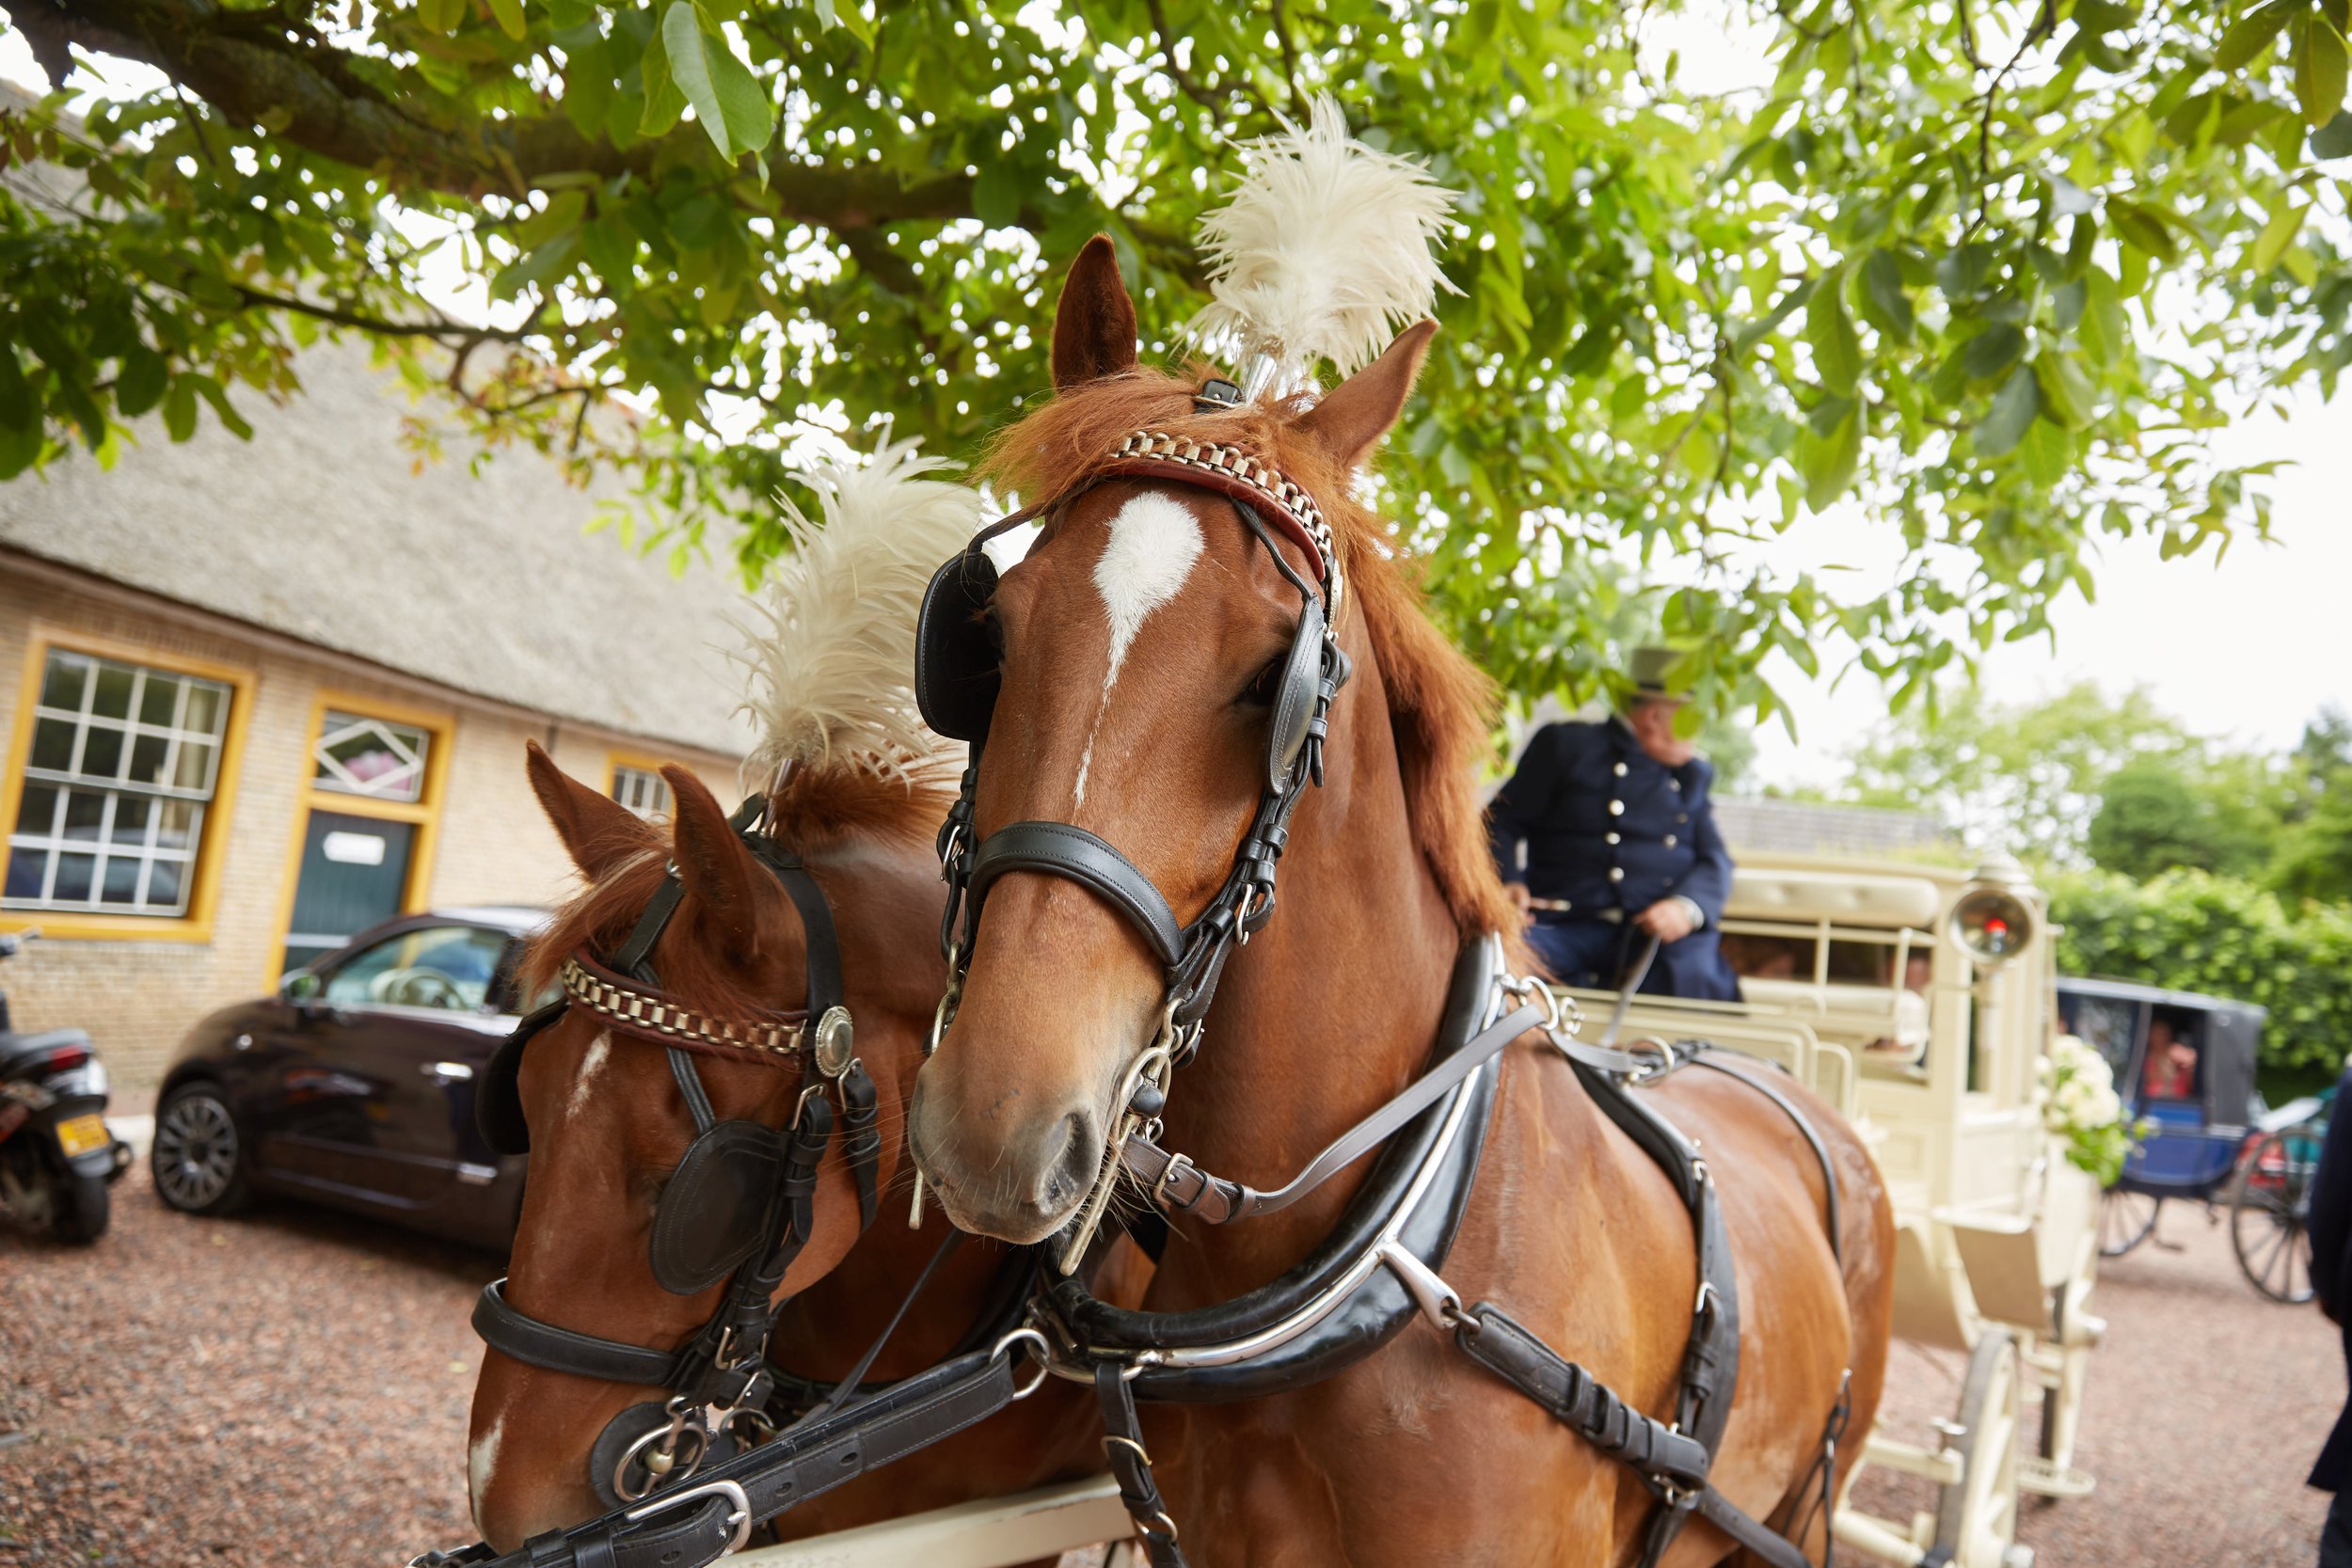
(739, 1519)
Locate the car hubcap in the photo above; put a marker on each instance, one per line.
(196, 1152)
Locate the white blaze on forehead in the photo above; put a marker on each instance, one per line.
(481, 1460)
(598, 1049)
(1154, 541)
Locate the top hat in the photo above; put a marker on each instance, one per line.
(1649, 670)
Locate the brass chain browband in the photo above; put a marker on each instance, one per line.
(1287, 500)
(649, 1013)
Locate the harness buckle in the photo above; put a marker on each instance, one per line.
(1709, 1299)
(739, 1517)
(1439, 1302)
(1159, 1189)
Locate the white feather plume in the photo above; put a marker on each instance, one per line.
(831, 657)
(1325, 251)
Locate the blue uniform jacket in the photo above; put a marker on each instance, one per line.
(1607, 827)
(2329, 1227)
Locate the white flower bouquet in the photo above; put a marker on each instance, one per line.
(2081, 1109)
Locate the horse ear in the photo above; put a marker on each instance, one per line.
(717, 872)
(1352, 415)
(1094, 326)
(597, 831)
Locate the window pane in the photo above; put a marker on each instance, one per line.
(355, 981)
(101, 752)
(85, 810)
(370, 756)
(40, 811)
(114, 691)
(163, 885)
(158, 700)
(63, 681)
(131, 816)
(26, 868)
(147, 759)
(121, 884)
(53, 745)
(179, 823)
(204, 704)
(75, 873)
(193, 770)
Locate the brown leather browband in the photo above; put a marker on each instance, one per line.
(1233, 471)
(652, 1016)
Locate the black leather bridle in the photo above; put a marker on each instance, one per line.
(955, 686)
(739, 1206)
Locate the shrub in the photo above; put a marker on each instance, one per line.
(2190, 930)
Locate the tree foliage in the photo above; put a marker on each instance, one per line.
(1992, 271)
(2192, 931)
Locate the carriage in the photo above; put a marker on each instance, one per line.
(1918, 1000)
(2184, 1064)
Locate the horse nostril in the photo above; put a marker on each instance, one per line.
(1072, 1174)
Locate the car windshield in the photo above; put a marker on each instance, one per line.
(447, 967)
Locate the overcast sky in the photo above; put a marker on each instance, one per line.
(2249, 649)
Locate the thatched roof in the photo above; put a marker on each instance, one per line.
(317, 528)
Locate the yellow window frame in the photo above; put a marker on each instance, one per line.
(212, 848)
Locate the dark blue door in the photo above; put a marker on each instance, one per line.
(355, 874)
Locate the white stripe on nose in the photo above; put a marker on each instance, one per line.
(1154, 541)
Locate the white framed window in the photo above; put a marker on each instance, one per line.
(641, 790)
(124, 760)
(356, 754)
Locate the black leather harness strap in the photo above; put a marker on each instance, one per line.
(1067, 851)
(536, 1344)
(1131, 1467)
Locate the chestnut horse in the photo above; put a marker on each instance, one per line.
(1143, 641)
(609, 1125)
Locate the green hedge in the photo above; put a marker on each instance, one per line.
(2194, 931)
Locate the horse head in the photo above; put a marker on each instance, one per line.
(1162, 687)
(607, 1112)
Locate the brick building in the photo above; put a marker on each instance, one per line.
(255, 695)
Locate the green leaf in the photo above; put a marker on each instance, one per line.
(440, 16)
(2285, 222)
(19, 409)
(140, 381)
(2319, 71)
(551, 259)
(2143, 230)
(1836, 347)
(2251, 34)
(996, 194)
(2334, 139)
(1882, 286)
(2066, 392)
(508, 15)
(664, 104)
(2013, 409)
(1828, 461)
(2105, 331)
(215, 394)
(2046, 453)
(180, 407)
(1992, 350)
(731, 105)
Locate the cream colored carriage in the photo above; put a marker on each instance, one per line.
(1918, 1000)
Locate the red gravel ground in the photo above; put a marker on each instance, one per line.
(288, 1388)
(2205, 1408)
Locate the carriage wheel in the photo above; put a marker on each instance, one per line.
(1975, 1516)
(2270, 1199)
(2126, 1219)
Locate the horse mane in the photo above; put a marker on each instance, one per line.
(1441, 707)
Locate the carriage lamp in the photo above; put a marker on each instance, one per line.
(1991, 924)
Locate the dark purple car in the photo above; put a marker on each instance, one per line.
(353, 1085)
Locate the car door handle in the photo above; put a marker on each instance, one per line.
(446, 1073)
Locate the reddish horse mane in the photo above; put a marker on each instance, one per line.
(1441, 707)
(817, 805)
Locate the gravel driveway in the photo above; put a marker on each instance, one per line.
(288, 1388)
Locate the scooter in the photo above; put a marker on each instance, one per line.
(57, 1157)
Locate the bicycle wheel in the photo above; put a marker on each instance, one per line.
(2270, 1199)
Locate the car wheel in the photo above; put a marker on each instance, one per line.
(197, 1159)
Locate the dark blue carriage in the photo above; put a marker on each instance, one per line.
(2183, 1064)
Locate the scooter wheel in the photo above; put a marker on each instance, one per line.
(197, 1158)
(81, 1210)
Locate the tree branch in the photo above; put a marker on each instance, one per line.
(248, 66)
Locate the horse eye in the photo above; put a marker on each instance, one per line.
(1260, 691)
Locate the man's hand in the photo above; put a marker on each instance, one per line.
(1519, 900)
(1668, 920)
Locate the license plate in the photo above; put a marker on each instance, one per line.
(81, 1135)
